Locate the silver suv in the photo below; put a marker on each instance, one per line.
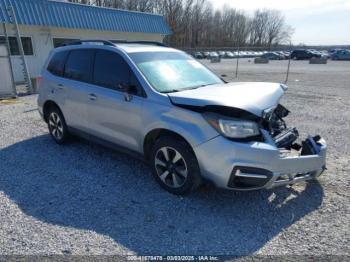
(187, 123)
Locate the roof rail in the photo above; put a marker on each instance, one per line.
(139, 42)
(80, 42)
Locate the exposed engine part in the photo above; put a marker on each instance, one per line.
(273, 120)
(281, 111)
(286, 138)
(309, 146)
(296, 146)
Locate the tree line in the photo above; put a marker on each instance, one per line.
(195, 23)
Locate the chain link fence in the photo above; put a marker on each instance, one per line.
(245, 63)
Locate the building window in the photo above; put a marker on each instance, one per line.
(14, 48)
(61, 41)
(2, 40)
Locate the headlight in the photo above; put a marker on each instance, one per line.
(233, 128)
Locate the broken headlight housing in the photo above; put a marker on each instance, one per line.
(233, 128)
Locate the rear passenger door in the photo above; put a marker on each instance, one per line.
(111, 116)
(53, 78)
(77, 77)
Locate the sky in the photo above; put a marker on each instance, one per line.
(316, 22)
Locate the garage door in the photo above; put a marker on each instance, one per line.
(7, 86)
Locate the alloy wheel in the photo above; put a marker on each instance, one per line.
(171, 167)
(56, 126)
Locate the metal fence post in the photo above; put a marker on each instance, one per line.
(288, 68)
(237, 62)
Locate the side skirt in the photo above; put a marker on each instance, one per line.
(115, 147)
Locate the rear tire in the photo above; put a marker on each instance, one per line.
(174, 165)
(57, 126)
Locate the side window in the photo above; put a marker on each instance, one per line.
(79, 65)
(56, 64)
(111, 70)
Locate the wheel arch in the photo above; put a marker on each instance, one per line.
(155, 134)
(47, 106)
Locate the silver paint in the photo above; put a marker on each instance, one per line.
(127, 122)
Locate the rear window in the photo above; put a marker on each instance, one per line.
(56, 65)
(79, 65)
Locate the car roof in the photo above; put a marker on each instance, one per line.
(126, 47)
(135, 48)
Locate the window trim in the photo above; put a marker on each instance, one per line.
(27, 36)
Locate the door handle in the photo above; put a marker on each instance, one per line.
(92, 97)
(60, 86)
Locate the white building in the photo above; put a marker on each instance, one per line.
(45, 24)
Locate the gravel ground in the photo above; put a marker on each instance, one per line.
(84, 199)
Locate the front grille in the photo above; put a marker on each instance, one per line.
(286, 138)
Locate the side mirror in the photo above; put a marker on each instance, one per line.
(128, 90)
(123, 87)
(222, 77)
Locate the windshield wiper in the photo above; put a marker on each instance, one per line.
(171, 91)
(187, 88)
(195, 87)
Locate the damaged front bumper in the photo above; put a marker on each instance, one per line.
(300, 168)
(257, 165)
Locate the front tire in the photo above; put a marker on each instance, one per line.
(174, 165)
(57, 126)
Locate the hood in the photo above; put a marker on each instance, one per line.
(253, 97)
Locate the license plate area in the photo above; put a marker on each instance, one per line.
(307, 147)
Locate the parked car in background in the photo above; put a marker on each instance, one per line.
(325, 53)
(213, 55)
(229, 55)
(331, 51)
(286, 54)
(272, 56)
(243, 54)
(251, 54)
(206, 54)
(318, 54)
(222, 54)
(341, 55)
(283, 54)
(303, 54)
(198, 55)
(189, 125)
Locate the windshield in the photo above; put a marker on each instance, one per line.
(173, 71)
